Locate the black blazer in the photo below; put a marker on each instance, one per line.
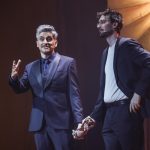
(132, 72)
(58, 101)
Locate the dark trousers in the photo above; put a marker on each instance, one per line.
(122, 130)
(53, 139)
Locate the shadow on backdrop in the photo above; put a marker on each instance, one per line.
(75, 22)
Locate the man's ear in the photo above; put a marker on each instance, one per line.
(56, 42)
(115, 24)
(37, 44)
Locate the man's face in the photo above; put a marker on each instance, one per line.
(105, 26)
(46, 43)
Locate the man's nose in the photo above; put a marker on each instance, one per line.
(45, 41)
(98, 25)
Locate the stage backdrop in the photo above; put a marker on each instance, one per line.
(75, 21)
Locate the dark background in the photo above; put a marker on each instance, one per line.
(75, 21)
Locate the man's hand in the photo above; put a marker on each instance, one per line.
(15, 69)
(135, 103)
(88, 123)
(79, 133)
(83, 128)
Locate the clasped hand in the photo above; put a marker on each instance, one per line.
(83, 128)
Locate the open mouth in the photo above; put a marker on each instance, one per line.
(46, 46)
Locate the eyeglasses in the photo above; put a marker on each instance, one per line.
(103, 21)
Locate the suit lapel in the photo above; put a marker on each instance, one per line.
(52, 69)
(115, 57)
(36, 71)
(102, 71)
(103, 62)
(119, 42)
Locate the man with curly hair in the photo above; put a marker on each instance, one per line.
(124, 82)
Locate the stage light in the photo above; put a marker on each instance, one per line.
(136, 15)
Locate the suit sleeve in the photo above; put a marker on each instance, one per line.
(99, 110)
(74, 93)
(141, 58)
(20, 85)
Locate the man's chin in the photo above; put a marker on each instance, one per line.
(106, 34)
(103, 36)
(47, 50)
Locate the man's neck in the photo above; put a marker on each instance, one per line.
(45, 56)
(112, 38)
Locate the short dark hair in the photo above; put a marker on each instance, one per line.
(114, 16)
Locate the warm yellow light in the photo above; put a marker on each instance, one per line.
(145, 40)
(136, 14)
(131, 14)
(137, 28)
(117, 4)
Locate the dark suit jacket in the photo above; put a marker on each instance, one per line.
(58, 101)
(131, 69)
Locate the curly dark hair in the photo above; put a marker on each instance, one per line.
(114, 16)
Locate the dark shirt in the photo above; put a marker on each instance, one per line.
(45, 65)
